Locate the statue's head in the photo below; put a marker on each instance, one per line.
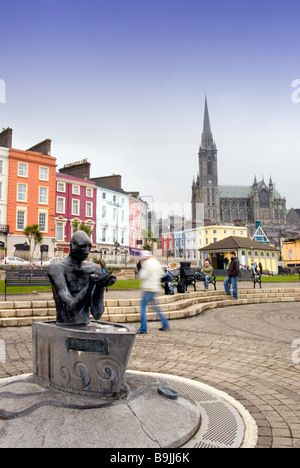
(80, 246)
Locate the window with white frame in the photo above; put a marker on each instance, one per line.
(59, 231)
(75, 207)
(44, 173)
(1, 190)
(43, 221)
(1, 166)
(43, 195)
(104, 234)
(89, 192)
(22, 192)
(60, 205)
(89, 209)
(61, 187)
(76, 189)
(103, 211)
(21, 218)
(22, 169)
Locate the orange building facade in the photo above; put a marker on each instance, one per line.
(31, 197)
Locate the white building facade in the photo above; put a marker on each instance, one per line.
(112, 219)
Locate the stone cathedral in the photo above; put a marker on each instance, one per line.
(233, 204)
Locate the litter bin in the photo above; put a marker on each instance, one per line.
(181, 284)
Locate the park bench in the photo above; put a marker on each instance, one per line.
(26, 278)
(267, 272)
(189, 278)
(291, 269)
(250, 275)
(211, 281)
(286, 271)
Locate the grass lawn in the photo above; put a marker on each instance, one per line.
(135, 284)
(21, 289)
(126, 284)
(119, 284)
(272, 279)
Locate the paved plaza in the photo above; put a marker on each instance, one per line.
(246, 351)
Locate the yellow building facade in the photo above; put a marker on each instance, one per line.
(291, 252)
(210, 234)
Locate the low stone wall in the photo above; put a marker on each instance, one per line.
(24, 313)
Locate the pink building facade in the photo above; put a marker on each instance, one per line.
(76, 201)
(135, 223)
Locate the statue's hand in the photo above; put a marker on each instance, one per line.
(104, 280)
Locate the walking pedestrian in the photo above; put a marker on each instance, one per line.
(150, 275)
(232, 278)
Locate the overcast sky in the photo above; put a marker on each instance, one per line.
(123, 83)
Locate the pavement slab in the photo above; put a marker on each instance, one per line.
(248, 351)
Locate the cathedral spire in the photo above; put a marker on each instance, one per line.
(207, 137)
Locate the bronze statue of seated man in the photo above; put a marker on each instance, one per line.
(78, 285)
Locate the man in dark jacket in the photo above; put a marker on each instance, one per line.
(232, 278)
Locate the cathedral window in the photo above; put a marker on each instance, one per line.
(264, 200)
(209, 166)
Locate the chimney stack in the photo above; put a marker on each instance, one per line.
(6, 138)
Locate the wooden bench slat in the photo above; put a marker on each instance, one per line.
(26, 278)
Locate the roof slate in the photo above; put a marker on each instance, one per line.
(235, 242)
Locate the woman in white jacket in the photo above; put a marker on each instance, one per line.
(150, 275)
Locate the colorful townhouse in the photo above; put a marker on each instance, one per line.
(112, 220)
(31, 196)
(121, 219)
(167, 244)
(76, 203)
(179, 244)
(4, 228)
(138, 222)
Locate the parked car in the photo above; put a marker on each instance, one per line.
(48, 262)
(17, 261)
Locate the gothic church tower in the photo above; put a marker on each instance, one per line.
(205, 189)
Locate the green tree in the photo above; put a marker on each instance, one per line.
(77, 226)
(34, 237)
(149, 239)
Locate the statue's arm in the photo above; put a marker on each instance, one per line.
(71, 304)
(101, 281)
(97, 305)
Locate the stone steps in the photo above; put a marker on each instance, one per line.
(24, 313)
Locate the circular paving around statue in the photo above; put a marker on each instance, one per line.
(155, 411)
